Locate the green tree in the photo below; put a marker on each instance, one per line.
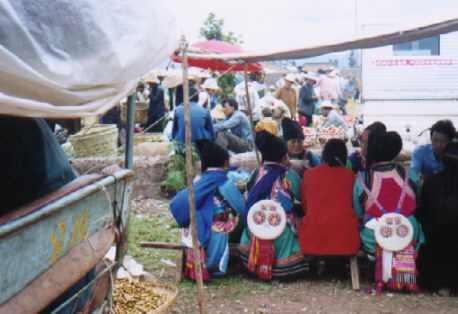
(213, 29)
(351, 59)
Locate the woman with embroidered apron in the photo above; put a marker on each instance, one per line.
(262, 255)
(357, 160)
(385, 198)
(219, 205)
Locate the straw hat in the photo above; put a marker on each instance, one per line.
(327, 104)
(310, 77)
(173, 79)
(393, 232)
(217, 113)
(290, 77)
(160, 73)
(305, 69)
(151, 77)
(210, 84)
(194, 74)
(266, 219)
(332, 74)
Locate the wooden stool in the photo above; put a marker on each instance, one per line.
(171, 246)
(354, 269)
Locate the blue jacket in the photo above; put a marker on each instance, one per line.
(239, 125)
(424, 162)
(201, 123)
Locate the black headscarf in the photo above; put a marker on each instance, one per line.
(386, 147)
(272, 147)
(375, 132)
(291, 130)
(211, 154)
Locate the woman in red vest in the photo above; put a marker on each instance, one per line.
(330, 225)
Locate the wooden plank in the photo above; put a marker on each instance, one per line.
(76, 184)
(180, 263)
(354, 269)
(161, 245)
(31, 244)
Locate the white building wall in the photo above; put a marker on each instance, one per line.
(385, 76)
(410, 93)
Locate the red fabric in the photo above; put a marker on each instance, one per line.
(330, 224)
(261, 257)
(217, 47)
(390, 190)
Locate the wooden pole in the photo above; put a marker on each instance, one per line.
(189, 178)
(250, 114)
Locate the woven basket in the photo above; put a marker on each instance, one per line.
(141, 112)
(100, 140)
(172, 293)
(168, 291)
(148, 137)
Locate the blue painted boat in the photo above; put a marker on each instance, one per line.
(51, 243)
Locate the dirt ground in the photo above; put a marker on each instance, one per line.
(331, 292)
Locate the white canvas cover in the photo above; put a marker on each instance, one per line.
(64, 59)
(393, 35)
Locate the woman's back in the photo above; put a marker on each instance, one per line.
(330, 224)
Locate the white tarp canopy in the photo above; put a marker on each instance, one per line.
(394, 35)
(64, 59)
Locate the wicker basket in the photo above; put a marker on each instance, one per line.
(167, 291)
(172, 293)
(141, 112)
(100, 140)
(148, 137)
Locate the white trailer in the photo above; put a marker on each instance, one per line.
(411, 85)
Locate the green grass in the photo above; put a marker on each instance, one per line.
(154, 228)
(161, 227)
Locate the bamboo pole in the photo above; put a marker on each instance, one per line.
(192, 203)
(250, 114)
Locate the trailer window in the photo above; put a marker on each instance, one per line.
(423, 47)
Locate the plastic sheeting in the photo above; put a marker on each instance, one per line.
(65, 59)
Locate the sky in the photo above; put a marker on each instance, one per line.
(273, 25)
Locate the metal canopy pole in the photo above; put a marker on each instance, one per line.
(250, 114)
(189, 179)
(129, 156)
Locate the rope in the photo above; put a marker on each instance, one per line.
(109, 217)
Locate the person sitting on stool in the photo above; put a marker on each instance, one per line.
(239, 139)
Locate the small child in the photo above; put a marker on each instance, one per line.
(267, 123)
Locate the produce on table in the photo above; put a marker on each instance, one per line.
(329, 133)
(309, 136)
(349, 120)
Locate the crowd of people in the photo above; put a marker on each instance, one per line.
(403, 218)
(299, 96)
